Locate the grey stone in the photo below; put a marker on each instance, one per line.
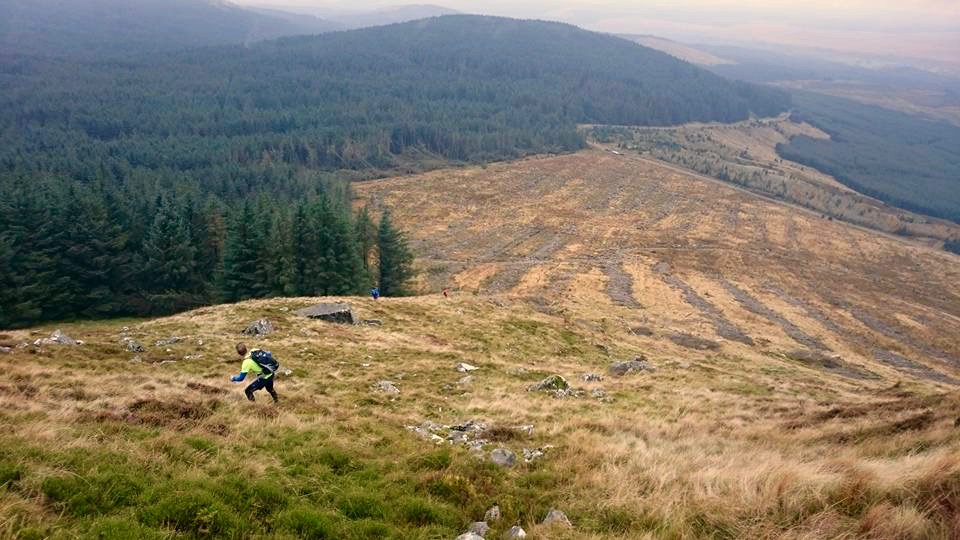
(168, 341)
(6, 350)
(465, 368)
(56, 338)
(259, 327)
(479, 528)
(493, 514)
(503, 457)
(514, 533)
(592, 377)
(553, 383)
(598, 393)
(284, 372)
(370, 322)
(637, 364)
(532, 454)
(330, 312)
(133, 346)
(556, 517)
(526, 430)
(470, 535)
(387, 387)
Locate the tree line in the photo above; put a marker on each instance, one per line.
(71, 250)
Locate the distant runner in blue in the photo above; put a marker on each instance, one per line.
(375, 293)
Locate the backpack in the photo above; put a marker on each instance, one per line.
(265, 360)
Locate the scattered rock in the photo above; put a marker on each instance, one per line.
(192, 357)
(133, 346)
(260, 327)
(57, 338)
(6, 350)
(533, 454)
(332, 312)
(554, 384)
(592, 377)
(125, 329)
(465, 381)
(515, 532)
(136, 360)
(640, 363)
(168, 341)
(493, 514)
(370, 322)
(526, 430)
(387, 387)
(284, 372)
(479, 528)
(556, 517)
(641, 331)
(599, 393)
(503, 457)
(465, 368)
(470, 535)
(165, 362)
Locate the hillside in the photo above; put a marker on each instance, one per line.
(901, 159)
(800, 381)
(746, 154)
(98, 29)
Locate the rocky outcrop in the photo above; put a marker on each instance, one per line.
(638, 364)
(514, 533)
(132, 345)
(330, 312)
(56, 338)
(554, 384)
(387, 387)
(557, 518)
(260, 327)
(503, 457)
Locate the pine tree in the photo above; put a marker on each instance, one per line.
(169, 262)
(240, 256)
(366, 232)
(396, 260)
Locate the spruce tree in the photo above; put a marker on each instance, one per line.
(396, 260)
(169, 262)
(240, 256)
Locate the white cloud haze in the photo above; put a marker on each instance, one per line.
(920, 28)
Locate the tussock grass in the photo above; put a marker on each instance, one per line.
(102, 447)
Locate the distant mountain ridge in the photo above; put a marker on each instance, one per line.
(123, 28)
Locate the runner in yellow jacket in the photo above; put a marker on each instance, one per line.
(264, 378)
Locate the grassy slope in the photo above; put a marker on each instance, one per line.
(702, 446)
(736, 441)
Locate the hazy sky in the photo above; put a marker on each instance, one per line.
(921, 28)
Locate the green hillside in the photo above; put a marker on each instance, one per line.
(900, 159)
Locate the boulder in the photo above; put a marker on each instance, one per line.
(387, 387)
(479, 528)
(555, 384)
(551, 384)
(515, 532)
(260, 327)
(493, 514)
(330, 312)
(620, 369)
(470, 535)
(56, 338)
(465, 368)
(503, 457)
(556, 517)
